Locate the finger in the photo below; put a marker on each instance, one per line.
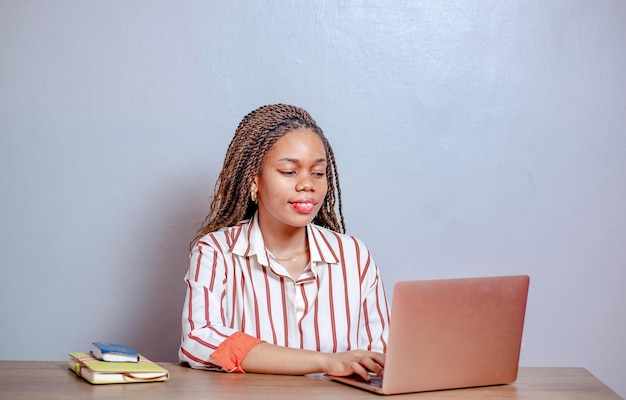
(372, 365)
(379, 358)
(358, 369)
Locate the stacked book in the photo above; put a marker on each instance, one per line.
(115, 363)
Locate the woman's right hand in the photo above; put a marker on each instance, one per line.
(358, 362)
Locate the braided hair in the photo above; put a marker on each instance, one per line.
(255, 135)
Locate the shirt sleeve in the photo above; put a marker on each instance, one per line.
(233, 350)
(207, 341)
(375, 311)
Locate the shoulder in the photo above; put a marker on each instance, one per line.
(338, 242)
(328, 233)
(223, 239)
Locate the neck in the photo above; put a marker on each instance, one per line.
(284, 243)
(285, 247)
(293, 257)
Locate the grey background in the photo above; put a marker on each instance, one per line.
(473, 138)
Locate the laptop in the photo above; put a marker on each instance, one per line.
(450, 334)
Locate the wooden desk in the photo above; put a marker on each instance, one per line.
(51, 380)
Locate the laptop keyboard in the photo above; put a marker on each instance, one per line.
(375, 380)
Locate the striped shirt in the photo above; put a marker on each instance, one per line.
(234, 284)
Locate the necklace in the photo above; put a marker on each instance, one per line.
(294, 255)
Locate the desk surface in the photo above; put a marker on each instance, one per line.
(54, 380)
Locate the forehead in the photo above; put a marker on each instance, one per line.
(300, 144)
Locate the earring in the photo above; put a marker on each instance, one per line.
(253, 196)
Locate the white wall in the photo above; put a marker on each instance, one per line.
(473, 138)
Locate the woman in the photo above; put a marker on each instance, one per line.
(274, 283)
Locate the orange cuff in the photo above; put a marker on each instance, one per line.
(233, 350)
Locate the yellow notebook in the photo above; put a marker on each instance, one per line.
(95, 371)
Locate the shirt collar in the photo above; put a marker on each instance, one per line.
(248, 241)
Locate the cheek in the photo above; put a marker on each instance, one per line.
(324, 189)
(273, 188)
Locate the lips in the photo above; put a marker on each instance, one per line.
(304, 207)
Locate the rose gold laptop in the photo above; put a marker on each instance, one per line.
(452, 333)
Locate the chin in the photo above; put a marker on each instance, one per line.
(302, 221)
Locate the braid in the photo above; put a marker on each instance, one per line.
(255, 135)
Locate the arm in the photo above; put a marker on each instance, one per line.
(375, 313)
(268, 358)
(203, 325)
(374, 317)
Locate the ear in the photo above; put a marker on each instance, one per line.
(254, 186)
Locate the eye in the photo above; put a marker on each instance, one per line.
(287, 173)
(318, 174)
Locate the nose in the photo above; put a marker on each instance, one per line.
(305, 185)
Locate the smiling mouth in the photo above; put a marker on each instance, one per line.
(303, 207)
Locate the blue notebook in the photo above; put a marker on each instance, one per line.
(114, 352)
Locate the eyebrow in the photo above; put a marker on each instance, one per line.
(295, 160)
